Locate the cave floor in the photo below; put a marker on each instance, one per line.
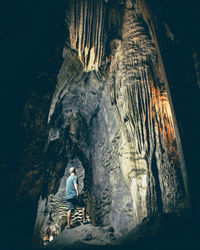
(161, 232)
(83, 236)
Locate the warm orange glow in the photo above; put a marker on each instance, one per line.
(161, 110)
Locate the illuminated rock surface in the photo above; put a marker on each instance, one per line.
(112, 115)
(118, 123)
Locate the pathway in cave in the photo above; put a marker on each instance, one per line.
(84, 235)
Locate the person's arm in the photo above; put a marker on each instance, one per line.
(76, 187)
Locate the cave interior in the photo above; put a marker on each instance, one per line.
(111, 88)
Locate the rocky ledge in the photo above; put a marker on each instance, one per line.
(82, 236)
(160, 232)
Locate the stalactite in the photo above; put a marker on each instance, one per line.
(87, 33)
(143, 103)
(122, 119)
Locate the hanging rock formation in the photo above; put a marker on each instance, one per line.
(111, 112)
(145, 112)
(114, 116)
(87, 32)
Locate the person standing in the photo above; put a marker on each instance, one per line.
(73, 196)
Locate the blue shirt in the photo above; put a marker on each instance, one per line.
(71, 191)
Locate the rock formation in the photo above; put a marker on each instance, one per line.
(87, 32)
(117, 121)
(112, 116)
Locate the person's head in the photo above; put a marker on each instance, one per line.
(72, 170)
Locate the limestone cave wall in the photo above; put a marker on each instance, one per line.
(116, 114)
(118, 121)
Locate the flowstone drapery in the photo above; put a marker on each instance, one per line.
(116, 120)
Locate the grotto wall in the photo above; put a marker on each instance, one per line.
(125, 110)
(147, 113)
(118, 121)
(32, 38)
(174, 28)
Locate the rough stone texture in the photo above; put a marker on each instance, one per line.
(179, 61)
(34, 129)
(118, 123)
(83, 236)
(52, 212)
(112, 202)
(87, 32)
(143, 106)
(163, 231)
(160, 232)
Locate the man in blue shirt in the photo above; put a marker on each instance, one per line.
(73, 197)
